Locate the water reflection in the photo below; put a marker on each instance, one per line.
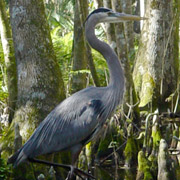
(114, 174)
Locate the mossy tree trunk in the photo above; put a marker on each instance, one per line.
(156, 69)
(165, 169)
(91, 66)
(144, 167)
(79, 51)
(128, 26)
(131, 149)
(40, 85)
(122, 51)
(9, 59)
(154, 145)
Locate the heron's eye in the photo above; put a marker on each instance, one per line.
(110, 13)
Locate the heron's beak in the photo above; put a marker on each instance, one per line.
(114, 17)
(128, 17)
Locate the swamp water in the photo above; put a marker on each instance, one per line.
(111, 173)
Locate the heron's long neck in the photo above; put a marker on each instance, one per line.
(115, 69)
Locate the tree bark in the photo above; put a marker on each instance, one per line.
(9, 58)
(128, 26)
(136, 24)
(130, 94)
(99, 3)
(109, 28)
(40, 85)
(84, 13)
(79, 52)
(156, 70)
(165, 169)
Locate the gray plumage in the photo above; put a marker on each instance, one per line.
(79, 118)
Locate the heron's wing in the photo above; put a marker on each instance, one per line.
(62, 130)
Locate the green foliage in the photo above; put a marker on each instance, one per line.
(63, 50)
(99, 61)
(4, 170)
(6, 140)
(59, 14)
(101, 67)
(63, 46)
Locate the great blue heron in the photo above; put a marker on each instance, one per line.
(80, 117)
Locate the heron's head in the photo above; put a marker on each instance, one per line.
(108, 15)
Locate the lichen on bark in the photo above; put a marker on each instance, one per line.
(40, 85)
(155, 71)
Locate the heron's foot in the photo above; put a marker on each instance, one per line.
(77, 172)
(70, 173)
(83, 175)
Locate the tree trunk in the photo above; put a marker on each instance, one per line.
(165, 169)
(156, 69)
(79, 52)
(109, 28)
(144, 169)
(128, 26)
(9, 58)
(136, 24)
(84, 14)
(40, 85)
(130, 94)
(98, 3)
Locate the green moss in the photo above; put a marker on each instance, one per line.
(144, 166)
(89, 152)
(130, 151)
(156, 135)
(138, 82)
(147, 89)
(154, 165)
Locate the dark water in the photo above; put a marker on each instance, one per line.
(114, 174)
(120, 174)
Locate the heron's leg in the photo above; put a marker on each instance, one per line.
(75, 151)
(76, 171)
(70, 173)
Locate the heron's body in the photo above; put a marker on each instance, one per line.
(80, 117)
(68, 131)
